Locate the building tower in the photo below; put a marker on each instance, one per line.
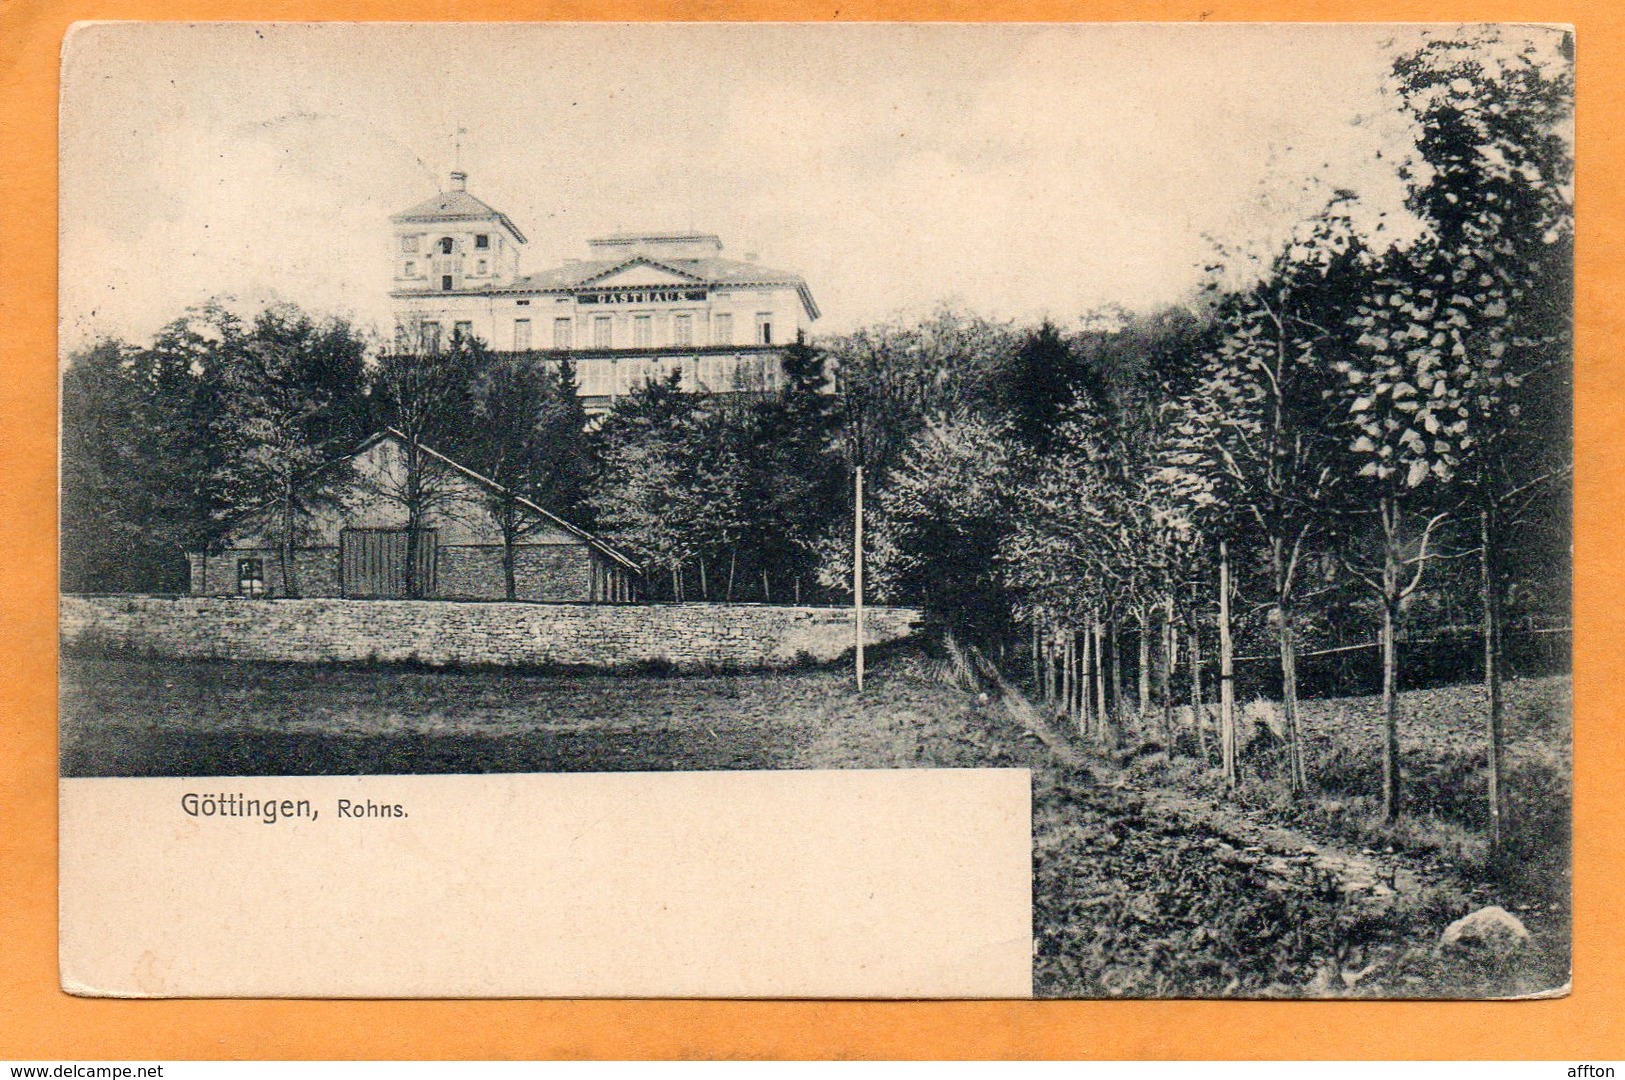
(448, 251)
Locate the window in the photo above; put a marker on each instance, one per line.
(431, 336)
(463, 330)
(521, 335)
(643, 334)
(764, 327)
(682, 329)
(561, 333)
(722, 330)
(482, 240)
(409, 244)
(411, 269)
(250, 577)
(602, 334)
(445, 245)
(445, 283)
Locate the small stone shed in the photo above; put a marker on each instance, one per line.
(355, 542)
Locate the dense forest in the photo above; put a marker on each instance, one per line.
(1337, 451)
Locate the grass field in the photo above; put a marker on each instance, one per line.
(1445, 781)
(1147, 880)
(130, 717)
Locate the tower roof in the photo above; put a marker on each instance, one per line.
(456, 205)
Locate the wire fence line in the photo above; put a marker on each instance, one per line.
(1452, 636)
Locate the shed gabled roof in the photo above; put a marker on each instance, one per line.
(491, 485)
(484, 481)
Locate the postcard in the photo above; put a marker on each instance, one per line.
(821, 511)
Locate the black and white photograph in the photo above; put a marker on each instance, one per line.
(1178, 416)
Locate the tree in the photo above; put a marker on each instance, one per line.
(108, 491)
(292, 400)
(1135, 364)
(1257, 430)
(892, 379)
(142, 453)
(333, 366)
(1496, 121)
(734, 489)
(1192, 486)
(1493, 183)
(793, 487)
(939, 524)
(426, 396)
(1037, 385)
(1403, 399)
(1066, 554)
(713, 455)
(567, 467)
(512, 397)
(650, 493)
(1167, 549)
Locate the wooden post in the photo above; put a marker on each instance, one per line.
(1227, 683)
(1197, 707)
(1490, 582)
(1052, 667)
(1114, 637)
(857, 571)
(1170, 657)
(1100, 679)
(1073, 658)
(1145, 662)
(1067, 674)
(1044, 659)
(1036, 683)
(1086, 669)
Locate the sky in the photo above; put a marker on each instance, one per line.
(1017, 172)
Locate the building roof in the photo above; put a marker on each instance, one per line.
(655, 237)
(456, 205)
(709, 271)
(486, 482)
(491, 485)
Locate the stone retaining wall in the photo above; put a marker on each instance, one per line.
(440, 632)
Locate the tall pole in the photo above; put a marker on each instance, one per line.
(857, 570)
(1491, 579)
(1227, 684)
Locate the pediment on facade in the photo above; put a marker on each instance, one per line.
(641, 271)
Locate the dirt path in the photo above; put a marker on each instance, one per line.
(1375, 881)
(1143, 890)
(1243, 836)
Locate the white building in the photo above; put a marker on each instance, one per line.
(640, 306)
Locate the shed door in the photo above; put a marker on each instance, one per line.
(373, 562)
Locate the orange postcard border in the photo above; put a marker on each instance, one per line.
(38, 1021)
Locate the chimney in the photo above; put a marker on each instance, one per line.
(459, 181)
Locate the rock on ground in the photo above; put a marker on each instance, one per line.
(1491, 928)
